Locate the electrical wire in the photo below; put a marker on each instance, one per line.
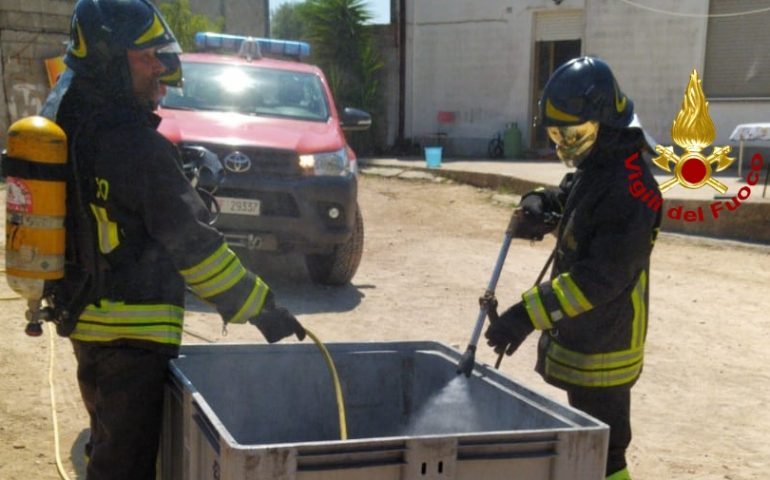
(696, 15)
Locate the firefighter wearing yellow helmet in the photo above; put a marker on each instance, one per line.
(137, 234)
(592, 313)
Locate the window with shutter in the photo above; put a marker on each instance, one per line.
(737, 50)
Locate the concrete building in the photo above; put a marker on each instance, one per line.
(33, 30)
(472, 68)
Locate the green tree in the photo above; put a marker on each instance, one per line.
(343, 46)
(185, 24)
(287, 23)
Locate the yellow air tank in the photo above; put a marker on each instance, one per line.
(34, 165)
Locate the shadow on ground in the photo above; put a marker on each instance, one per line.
(288, 278)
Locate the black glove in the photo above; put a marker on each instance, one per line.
(276, 323)
(532, 219)
(506, 333)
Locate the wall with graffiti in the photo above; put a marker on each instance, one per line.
(27, 38)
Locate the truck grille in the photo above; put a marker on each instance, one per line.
(262, 162)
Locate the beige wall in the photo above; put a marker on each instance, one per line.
(33, 30)
(30, 31)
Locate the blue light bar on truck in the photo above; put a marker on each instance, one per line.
(267, 46)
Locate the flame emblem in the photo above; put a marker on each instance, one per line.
(693, 130)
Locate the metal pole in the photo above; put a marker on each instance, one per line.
(740, 158)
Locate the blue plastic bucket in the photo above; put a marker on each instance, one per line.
(433, 157)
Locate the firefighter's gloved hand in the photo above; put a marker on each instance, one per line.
(533, 220)
(277, 323)
(509, 330)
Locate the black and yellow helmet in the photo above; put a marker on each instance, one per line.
(584, 89)
(102, 31)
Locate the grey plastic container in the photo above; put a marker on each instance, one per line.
(269, 412)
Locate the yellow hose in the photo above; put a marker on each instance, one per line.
(337, 386)
(51, 362)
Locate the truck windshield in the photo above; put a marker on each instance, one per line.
(249, 90)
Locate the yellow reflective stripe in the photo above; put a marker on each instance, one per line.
(620, 475)
(212, 263)
(116, 320)
(570, 297)
(640, 311)
(98, 333)
(595, 361)
(253, 304)
(80, 49)
(106, 229)
(564, 300)
(156, 30)
(535, 309)
(553, 112)
(593, 378)
(221, 281)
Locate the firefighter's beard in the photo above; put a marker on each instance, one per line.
(149, 92)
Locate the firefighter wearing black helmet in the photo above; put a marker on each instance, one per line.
(138, 233)
(593, 311)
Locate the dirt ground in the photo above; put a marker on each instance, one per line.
(700, 410)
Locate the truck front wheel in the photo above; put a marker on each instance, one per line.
(339, 266)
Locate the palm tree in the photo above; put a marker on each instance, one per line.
(185, 24)
(344, 49)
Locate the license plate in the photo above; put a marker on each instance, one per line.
(239, 206)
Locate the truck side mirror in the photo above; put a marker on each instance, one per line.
(353, 119)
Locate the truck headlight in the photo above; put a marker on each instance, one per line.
(326, 163)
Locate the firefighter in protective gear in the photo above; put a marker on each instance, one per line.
(138, 234)
(593, 311)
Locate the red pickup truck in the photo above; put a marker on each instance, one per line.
(289, 181)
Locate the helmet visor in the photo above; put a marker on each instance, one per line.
(169, 57)
(574, 142)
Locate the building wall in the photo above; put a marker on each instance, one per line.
(476, 59)
(33, 30)
(651, 54)
(470, 58)
(29, 33)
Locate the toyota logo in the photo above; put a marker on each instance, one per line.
(237, 162)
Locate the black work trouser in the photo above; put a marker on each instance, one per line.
(613, 407)
(122, 389)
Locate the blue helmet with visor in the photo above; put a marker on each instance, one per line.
(580, 96)
(101, 31)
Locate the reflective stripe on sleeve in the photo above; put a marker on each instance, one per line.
(215, 274)
(571, 299)
(253, 304)
(535, 309)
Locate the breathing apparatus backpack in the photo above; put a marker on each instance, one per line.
(34, 165)
(38, 265)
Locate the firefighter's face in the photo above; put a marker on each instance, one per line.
(574, 142)
(146, 70)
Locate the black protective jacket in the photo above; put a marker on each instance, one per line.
(593, 311)
(138, 231)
